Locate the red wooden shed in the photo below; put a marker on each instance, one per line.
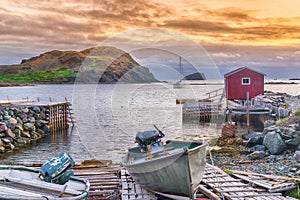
(241, 81)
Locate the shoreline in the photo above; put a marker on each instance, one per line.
(16, 84)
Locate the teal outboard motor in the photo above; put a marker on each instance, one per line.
(57, 169)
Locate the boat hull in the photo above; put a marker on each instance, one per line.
(18, 182)
(176, 174)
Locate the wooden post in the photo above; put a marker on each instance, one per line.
(248, 113)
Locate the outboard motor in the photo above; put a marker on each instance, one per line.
(146, 138)
(57, 169)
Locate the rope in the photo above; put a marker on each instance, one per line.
(215, 172)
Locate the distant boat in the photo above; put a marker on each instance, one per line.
(18, 182)
(178, 83)
(173, 170)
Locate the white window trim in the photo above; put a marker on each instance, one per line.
(244, 79)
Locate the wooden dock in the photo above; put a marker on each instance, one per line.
(217, 185)
(132, 190)
(104, 181)
(58, 114)
(110, 182)
(201, 112)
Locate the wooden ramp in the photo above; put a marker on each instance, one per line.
(269, 182)
(114, 183)
(104, 181)
(216, 184)
(132, 190)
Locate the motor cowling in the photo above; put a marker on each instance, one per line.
(146, 138)
(57, 169)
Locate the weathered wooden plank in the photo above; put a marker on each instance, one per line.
(208, 193)
(261, 195)
(131, 190)
(270, 188)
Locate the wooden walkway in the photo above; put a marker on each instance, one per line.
(131, 190)
(216, 181)
(104, 181)
(114, 183)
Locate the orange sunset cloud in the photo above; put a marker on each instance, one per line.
(225, 28)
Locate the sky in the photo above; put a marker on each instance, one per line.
(261, 34)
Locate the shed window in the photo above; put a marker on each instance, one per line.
(246, 81)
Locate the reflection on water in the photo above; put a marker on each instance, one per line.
(40, 151)
(108, 117)
(115, 113)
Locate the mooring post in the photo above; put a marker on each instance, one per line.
(248, 113)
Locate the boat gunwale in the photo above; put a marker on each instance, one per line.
(83, 195)
(183, 149)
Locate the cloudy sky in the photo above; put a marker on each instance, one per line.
(262, 34)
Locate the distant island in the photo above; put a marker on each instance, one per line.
(98, 64)
(294, 79)
(195, 76)
(281, 82)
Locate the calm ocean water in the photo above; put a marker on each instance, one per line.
(109, 116)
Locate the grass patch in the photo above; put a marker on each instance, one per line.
(60, 74)
(228, 171)
(282, 122)
(295, 193)
(297, 113)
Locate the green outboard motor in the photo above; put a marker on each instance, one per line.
(57, 169)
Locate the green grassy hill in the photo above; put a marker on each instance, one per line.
(101, 64)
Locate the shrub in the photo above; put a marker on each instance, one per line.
(297, 113)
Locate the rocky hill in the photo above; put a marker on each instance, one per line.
(100, 64)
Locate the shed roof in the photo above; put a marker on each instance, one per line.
(240, 69)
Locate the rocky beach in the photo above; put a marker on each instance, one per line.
(275, 150)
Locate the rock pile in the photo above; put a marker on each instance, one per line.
(276, 150)
(274, 140)
(21, 125)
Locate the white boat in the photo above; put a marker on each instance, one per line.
(54, 180)
(18, 182)
(178, 83)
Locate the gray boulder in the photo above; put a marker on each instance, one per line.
(257, 155)
(257, 148)
(29, 127)
(297, 156)
(288, 131)
(25, 110)
(272, 159)
(294, 141)
(274, 143)
(13, 121)
(257, 140)
(269, 123)
(271, 129)
(31, 119)
(36, 109)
